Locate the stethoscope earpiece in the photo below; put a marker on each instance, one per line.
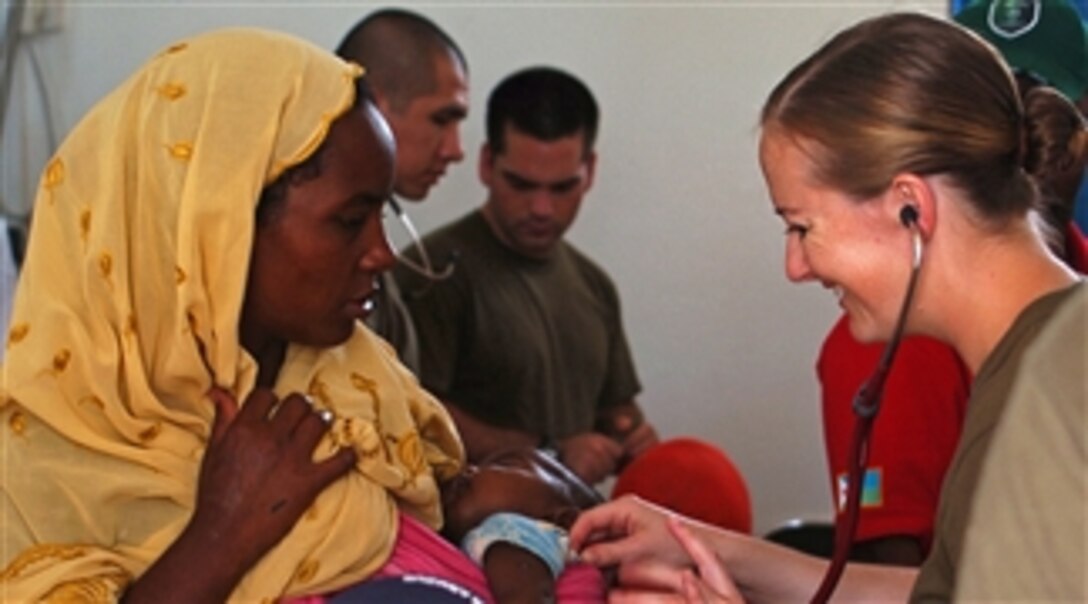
(908, 215)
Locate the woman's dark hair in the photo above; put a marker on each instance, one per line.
(398, 49)
(1057, 151)
(544, 103)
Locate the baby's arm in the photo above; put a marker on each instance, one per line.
(521, 557)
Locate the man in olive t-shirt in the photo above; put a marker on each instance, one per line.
(524, 342)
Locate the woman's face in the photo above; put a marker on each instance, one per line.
(852, 248)
(512, 482)
(317, 255)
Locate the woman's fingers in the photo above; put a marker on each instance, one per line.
(628, 528)
(594, 532)
(693, 590)
(712, 573)
(312, 427)
(293, 426)
(650, 574)
(299, 425)
(225, 410)
(637, 596)
(696, 591)
(293, 409)
(258, 405)
(610, 520)
(334, 467)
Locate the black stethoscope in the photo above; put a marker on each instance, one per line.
(866, 405)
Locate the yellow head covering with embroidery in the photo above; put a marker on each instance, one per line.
(127, 313)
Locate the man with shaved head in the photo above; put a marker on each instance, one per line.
(420, 81)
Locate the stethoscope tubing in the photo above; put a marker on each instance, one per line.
(424, 267)
(866, 406)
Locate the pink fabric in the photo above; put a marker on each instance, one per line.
(421, 551)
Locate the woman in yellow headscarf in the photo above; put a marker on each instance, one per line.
(211, 232)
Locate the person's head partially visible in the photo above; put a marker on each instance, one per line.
(539, 159)
(1046, 45)
(420, 81)
(523, 481)
(900, 110)
(1044, 42)
(1059, 156)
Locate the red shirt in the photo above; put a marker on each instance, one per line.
(914, 436)
(1076, 248)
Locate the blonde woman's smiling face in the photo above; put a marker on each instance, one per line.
(842, 243)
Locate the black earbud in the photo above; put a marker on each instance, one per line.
(908, 216)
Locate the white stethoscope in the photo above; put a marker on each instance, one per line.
(424, 267)
(866, 405)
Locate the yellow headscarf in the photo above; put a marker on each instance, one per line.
(127, 313)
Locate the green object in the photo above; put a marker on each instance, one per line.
(1046, 38)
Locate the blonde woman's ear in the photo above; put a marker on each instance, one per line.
(913, 202)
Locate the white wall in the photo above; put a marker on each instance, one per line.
(724, 344)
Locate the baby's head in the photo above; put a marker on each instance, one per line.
(524, 481)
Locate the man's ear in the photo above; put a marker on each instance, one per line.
(483, 166)
(591, 169)
(381, 101)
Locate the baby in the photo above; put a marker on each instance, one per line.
(510, 514)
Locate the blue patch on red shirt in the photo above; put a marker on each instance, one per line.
(872, 489)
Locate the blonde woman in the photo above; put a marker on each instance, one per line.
(901, 126)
